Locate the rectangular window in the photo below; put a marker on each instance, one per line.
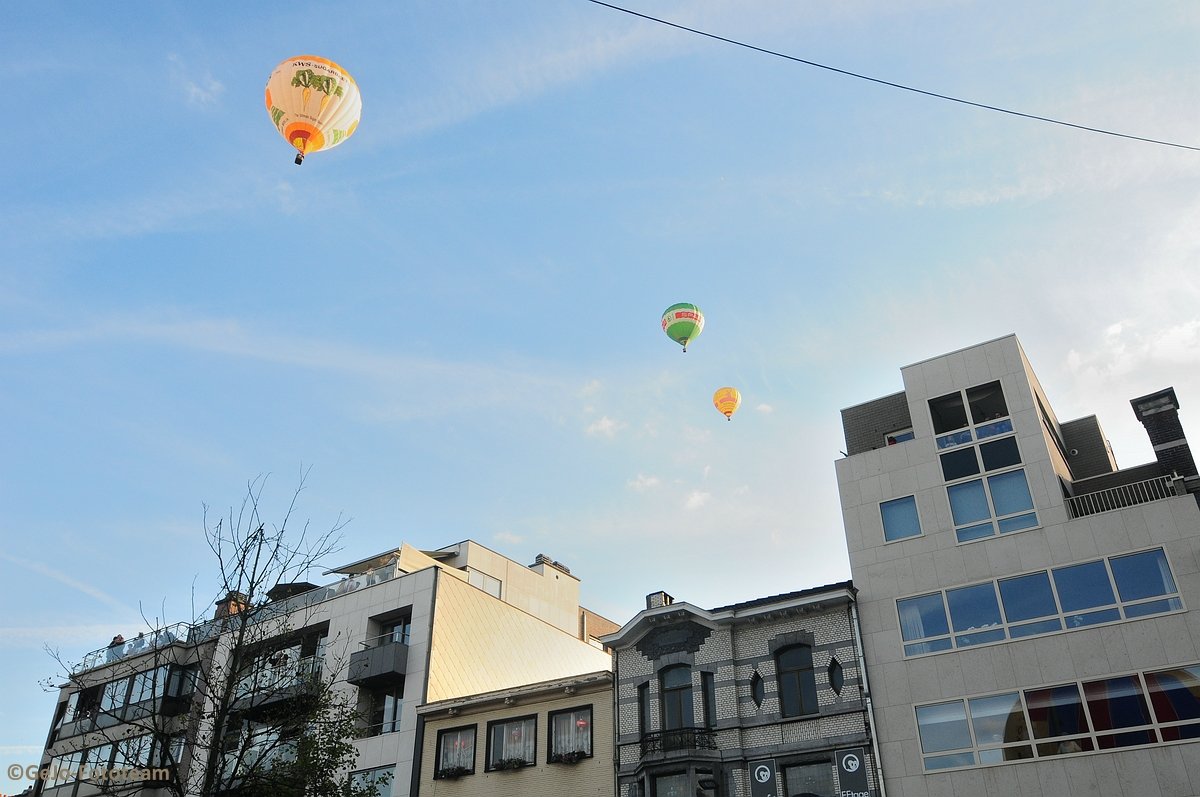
(900, 518)
(380, 778)
(1005, 504)
(802, 780)
(708, 689)
(1043, 602)
(385, 710)
(455, 752)
(674, 785)
(943, 730)
(898, 436)
(643, 692)
(511, 743)
(570, 734)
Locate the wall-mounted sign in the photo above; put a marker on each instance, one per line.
(763, 782)
(852, 772)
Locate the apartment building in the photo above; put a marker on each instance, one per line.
(765, 698)
(1026, 605)
(538, 740)
(397, 630)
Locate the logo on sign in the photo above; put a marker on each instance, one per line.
(762, 773)
(850, 762)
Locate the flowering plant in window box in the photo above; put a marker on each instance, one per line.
(450, 773)
(510, 763)
(571, 757)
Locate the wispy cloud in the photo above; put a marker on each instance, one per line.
(508, 538)
(199, 86)
(604, 426)
(66, 580)
(697, 499)
(643, 483)
(765, 409)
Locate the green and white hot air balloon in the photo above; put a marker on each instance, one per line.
(683, 323)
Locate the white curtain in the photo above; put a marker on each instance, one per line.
(571, 731)
(514, 739)
(458, 749)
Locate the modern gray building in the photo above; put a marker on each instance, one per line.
(764, 697)
(1027, 607)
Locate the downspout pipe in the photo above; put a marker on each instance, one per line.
(866, 688)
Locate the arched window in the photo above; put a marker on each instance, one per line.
(797, 686)
(676, 687)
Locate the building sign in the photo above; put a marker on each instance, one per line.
(852, 772)
(763, 782)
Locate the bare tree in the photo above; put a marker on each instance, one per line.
(245, 701)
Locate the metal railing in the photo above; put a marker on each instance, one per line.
(1119, 497)
(679, 739)
(142, 643)
(277, 677)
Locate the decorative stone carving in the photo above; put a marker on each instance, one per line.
(681, 637)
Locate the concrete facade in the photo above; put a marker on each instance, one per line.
(447, 632)
(1025, 634)
(701, 695)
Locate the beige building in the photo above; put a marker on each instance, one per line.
(550, 738)
(1026, 604)
(400, 629)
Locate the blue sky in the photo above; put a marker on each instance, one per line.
(453, 318)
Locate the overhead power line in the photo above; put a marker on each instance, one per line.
(894, 85)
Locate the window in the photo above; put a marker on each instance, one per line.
(397, 631)
(148, 685)
(511, 743)
(1075, 596)
(1104, 714)
(133, 753)
(643, 692)
(797, 687)
(570, 734)
(898, 436)
(758, 690)
(455, 752)
(900, 518)
(808, 780)
(380, 779)
(385, 710)
(674, 785)
(676, 689)
(708, 691)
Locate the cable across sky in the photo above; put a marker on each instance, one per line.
(894, 85)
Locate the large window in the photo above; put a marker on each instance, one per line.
(511, 743)
(797, 686)
(1064, 598)
(385, 710)
(380, 778)
(676, 694)
(708, 690)
(643, 694)
(455, 752)
(900, 518)
(987, 488)
(570, 734)
(808, 780)
(1105, 714)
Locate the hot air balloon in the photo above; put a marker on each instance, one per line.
(727, 400)
(314, 103)
(683, 323)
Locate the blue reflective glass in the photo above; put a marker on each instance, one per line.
(1010, 492)
(918, 648)
(979, 637)
(1154, 607)
(974, 607)
(947, 761)
(1027, 597)
(956, 439)
(900, 518)
(943, 727)
(1017, 522)
(1039, 627)
(1083, 586)
(922, 617)
(968, 503)
(976, 532)
(1093, 618)
(992, 429)
(1142, 575)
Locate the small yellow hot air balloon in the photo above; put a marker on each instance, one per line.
(727, 400)
(308, 129)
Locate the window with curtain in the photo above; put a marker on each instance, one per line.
(570, 733)
(512, 740)
(456, 749)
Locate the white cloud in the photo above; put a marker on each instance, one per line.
(697, 499)
(199, 86)
(643, 483)
(765, 409)
(508, 538)
(604, 427)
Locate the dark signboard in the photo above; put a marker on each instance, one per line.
(852, 772)
(763, 780)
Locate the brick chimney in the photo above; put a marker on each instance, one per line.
(658, 599)
(1159, 413)
(233, 603)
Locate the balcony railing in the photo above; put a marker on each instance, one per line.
(1122, 496)
(279, 678)
(679, 739)
(142, 643)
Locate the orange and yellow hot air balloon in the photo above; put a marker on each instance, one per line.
(727, 400)
(309, 126)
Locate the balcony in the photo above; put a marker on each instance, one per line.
(140, 644)
(678, 739)
(277, 682)
(383, 662)
(1122, 496)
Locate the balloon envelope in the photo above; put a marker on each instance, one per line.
(683, 323)
(727, 400)
(313, 103)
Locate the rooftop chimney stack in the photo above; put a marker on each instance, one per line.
(233, 603)
(1159, 413)
(656, 600)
